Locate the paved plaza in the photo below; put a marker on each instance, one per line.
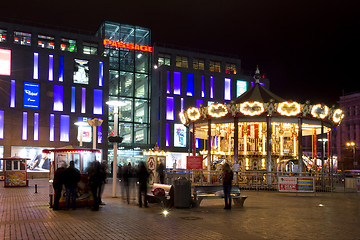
(25, 214)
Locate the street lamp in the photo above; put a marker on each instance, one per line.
(116, 105)
(81, 124)
(352, 145)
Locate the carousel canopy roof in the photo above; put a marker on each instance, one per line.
(258, 93)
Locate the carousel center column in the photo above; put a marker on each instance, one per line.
(268, 150)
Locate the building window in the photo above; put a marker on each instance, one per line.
(68, 45)
(214, 66)
(182, 61)
(90, 48)
(227, 89)
(22, 38)
(1, 124)
(36, 66)
(202, 86)
(61, 68)
(46, 42)
(170, 113)
(168, 86)
(24, 126)
(98, 107)
(211, 87)
(51, 68)
(189, 84)
(36, 126)
(164, 59)
(12, 93)
(83, 100)
(230, 68)
(58, 98)
(177, 83)
(64, 128)
(73, 99)
(101, 73)
(3, 34)
(198, 64)
(52, 128)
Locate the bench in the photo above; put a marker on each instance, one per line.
(209, 192)
(167, 200)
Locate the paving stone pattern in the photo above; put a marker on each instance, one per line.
(25, 214)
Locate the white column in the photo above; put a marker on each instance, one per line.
(116, 125)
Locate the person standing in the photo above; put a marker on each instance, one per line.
(97, 177)
(72, 177)
(127, 175)
(161, 171)
(58, 182)
(143, 177)
(227, 177)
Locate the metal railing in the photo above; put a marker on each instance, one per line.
(260, 180)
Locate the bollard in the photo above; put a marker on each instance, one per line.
(36, 188)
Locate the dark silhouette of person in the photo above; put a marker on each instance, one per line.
(58, 182)
(72, 177)
(97, 177)
(161, 171)
(127, 175)
(227, 177)
(143, 177)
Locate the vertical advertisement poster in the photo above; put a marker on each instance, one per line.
(31, 98)
(179, 135)
(81, 71)
(5, 62)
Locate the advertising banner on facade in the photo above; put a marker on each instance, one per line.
(31, 97)
(194, 162)
(81, 71)
(179, 135)
(296, 184)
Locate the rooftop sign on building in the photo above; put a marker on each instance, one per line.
(127, 45)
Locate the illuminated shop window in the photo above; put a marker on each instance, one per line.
(24, 126)
(230, 68)
(46, 42)
(202, 86)
(177, 83)
(64, 128)
(241, 87)
(214, 66)
(101, 73)
(227, 89)
(61, 68)
(90, 48)
(36, 126)
(73, 107)
(168, 85)
(164, 59)
(167, 143)
(211, 87)
(36, 66)
(1, 124)
(3, 34)
(58, 98)
(51, 68)
(22, 38)
(68, 45)
(182, 61)
(12, 93)
(52, 128)
(189, 84)
(198, 64)
(98, 107)
(170, 113)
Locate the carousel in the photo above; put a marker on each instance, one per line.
(259, 130)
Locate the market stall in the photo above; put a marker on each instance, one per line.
(15, 174)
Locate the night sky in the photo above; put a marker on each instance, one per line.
(308, 49)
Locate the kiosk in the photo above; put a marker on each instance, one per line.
(15, 174)
(82, 157)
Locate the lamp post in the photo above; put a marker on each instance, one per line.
(81, 124)
(95, 122)
(116, 105)
(352, 145)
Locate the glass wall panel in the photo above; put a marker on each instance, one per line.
(142, 36)
(112, 31)
(126, 84)
(125, 112)
(126, 132)
(140, 132)
(141, 111)
(141, 85)
(113, 82)
(142, 62)
(127, 60)
(127, 34)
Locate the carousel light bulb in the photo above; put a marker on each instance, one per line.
(252, 108)
(217, 110)
(289, 108)
(193, 113)
(338, 116)
(320, 111)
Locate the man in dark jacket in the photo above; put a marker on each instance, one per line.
(143, 176)
(72, 178)
(58, 185)
(97, 176)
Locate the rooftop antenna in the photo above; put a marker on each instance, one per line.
(257, 75)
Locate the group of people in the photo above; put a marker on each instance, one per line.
(70, 176)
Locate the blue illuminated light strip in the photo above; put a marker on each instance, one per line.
(24, 126)
(73, 108)
(189, 84)
(99, 137)
(198, 143)
(168, 86)
(170, 114)
(227, 89)
(12, 94)
(202, 86)
(36, 66)
(198, 102)
(64, 128)
(182, 104)
(1, 124)
(51, 67)
(83, 100)
(58, 98)
(61, 68)
(101, 74)
(52, 128)
(211, 87)
(98, 106)
(177, 83)
(167, 144)
(36, 126)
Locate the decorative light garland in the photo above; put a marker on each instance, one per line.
(320, 111)
(252, 108)
(193, 113)
(217, 110)
(338, 116)
(289, 108)
(155, 153)
(183, 118)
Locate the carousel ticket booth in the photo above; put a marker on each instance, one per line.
(153, 160)
(15, 174)
(82, 157)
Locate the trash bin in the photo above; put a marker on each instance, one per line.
(182, 193)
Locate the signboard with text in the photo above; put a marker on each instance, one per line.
(296, 184)
(194, 162)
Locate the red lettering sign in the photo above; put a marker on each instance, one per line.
(127, 45)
